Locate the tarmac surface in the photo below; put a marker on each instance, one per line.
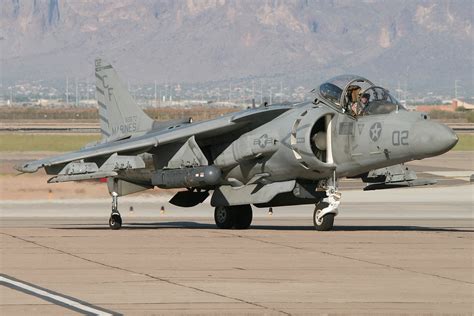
(392, 251)
(404, 250)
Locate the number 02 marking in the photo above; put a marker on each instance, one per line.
(400, 138)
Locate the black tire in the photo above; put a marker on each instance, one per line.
(224, 217)
(243, 216)
(115, 221)
(327, 222)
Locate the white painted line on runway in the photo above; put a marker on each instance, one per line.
(55, 298)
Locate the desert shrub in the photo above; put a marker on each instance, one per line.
(470, 116)
(446, 115)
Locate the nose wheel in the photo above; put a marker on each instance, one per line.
(115, 220)
(323, 222)
(326, 209)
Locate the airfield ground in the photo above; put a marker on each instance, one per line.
(394, 251)
(57, 142)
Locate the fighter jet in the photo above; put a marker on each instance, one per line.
(275, 155)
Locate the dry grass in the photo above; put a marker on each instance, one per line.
(15, 142)
(198, 113)
(466, 142)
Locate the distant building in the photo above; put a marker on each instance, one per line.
(468, 104)
(44, 102)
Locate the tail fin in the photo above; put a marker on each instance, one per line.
(119, 114)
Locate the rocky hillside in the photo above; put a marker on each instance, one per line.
(426, 43)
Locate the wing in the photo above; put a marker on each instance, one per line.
(139, 144)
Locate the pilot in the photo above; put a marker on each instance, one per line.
(352, 95)
(364, 100)
(358, 108)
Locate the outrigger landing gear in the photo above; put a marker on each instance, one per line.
(237, 216)
(326, 209)
(115, 220)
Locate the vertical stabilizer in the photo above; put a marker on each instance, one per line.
(119, 114)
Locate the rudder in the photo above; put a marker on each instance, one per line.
(119, 115)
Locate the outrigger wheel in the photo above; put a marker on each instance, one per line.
(326, 222)
(115, 221)
(237, 216)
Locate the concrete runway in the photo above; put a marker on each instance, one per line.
(392, 251)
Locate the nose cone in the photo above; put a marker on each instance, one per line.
(431, 139)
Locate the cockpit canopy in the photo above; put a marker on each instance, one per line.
(347, 92)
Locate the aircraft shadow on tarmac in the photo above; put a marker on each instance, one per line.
(196, 225)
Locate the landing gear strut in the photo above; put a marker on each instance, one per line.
(237, 216)
(115, 220)
(326, 210)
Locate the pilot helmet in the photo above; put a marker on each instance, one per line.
(353, 92)
(365, 95)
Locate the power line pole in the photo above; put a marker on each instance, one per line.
(67, 90)
(406, 92)
(87, 88)
(456, 91)
(165, 94)
(77, 92)
(159, 92)
(253, 90)
(399, 92)
(155, 93)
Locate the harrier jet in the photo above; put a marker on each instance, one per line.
(267, 156)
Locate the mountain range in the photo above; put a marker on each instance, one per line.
(424, 44)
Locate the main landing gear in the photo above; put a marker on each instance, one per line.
(115, 220)
(237, 216)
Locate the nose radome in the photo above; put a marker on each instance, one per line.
(447, 138)
(431, 139)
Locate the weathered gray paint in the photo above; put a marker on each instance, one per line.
(264, 154)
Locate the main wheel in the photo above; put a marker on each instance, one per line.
(326, 222)
(115, 221)
(243, 216)
(224, 217)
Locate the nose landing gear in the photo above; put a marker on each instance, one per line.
(326, 209)
(115, 220)
(323, 222)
